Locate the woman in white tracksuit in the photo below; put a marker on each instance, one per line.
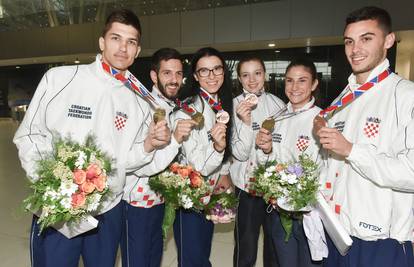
(294, 137)
(206, 150)
(251, 213)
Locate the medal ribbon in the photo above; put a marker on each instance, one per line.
(216, 105)
(184, 106)
(351, 96)
(131, 82)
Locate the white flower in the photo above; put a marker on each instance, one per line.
(80, 160)
(271, 169)
(66, 202)
(62, 172)
(292, 179)
(267, 174)
(187, 202)
(93, 202)
(283, 176)
(50, 194)
(67, 188)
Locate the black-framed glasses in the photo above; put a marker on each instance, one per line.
(204, 72)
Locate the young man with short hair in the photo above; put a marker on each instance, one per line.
(370, 173)
(77, 101)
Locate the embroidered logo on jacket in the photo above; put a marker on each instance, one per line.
(120, 120)
(276, 137)
(80, 112)
(302, 143)
(255, 126)
(339, 125)
(371, 128)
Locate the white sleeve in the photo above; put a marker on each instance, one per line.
(242, 140)
(32, 138)
(263, 158)
(137, 157)
(162, 158)
(392, 170)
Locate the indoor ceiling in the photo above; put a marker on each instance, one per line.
(18, 15)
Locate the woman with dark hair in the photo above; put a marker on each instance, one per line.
(295, 137)
(207, 150)
(251, 109)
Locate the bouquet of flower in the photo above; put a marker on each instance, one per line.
(222, 207)
(291, 186)
(181, 186)
(72, 180)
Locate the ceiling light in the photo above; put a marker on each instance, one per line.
(76, 61)
(271, 45)
(17, 67)
(277, 51)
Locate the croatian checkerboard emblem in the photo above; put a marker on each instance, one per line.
(120, 120)
(371, 128)
(302, 143)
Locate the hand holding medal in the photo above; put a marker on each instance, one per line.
(159, 115)
(318, 123)
(269, 124)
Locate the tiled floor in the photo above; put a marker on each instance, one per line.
(14, 223)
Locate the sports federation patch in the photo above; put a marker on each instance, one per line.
(371, 128)
(302, 143)
(120, 120)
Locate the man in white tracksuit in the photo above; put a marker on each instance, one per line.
(80, 100)
(369, 180)
(142, 241)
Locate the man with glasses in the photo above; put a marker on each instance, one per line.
(142, 240)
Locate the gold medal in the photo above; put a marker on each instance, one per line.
(159, 115)
(199, 119)
(268, 124)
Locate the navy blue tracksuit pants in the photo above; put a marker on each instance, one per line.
(251, 216)
(142, 242)
(295, 252)
(98, 247)
(380, 253)
(193, 234)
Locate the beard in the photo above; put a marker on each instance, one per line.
(162, 89)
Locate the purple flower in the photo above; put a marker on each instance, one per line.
(295, 169)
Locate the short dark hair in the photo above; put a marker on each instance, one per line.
(382, 17)
(163, 54)
(124, 16)
(247, 59)
(306, 63)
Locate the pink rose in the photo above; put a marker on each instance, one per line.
(99, 182)
(174, 167)
(195, 179)
(78, 200)
(87, 187)
(79, 176)
(184, 172)
(92, 171)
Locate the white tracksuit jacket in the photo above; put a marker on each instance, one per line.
(244, 138)
(198, 150)
(372, 190)
(137, 191)
(79, 100)
(294, 136)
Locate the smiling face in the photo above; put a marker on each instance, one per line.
(213, 81)
(252, 76)
(299, 86)
(169, 77)
(120, 46)
(366, 47)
